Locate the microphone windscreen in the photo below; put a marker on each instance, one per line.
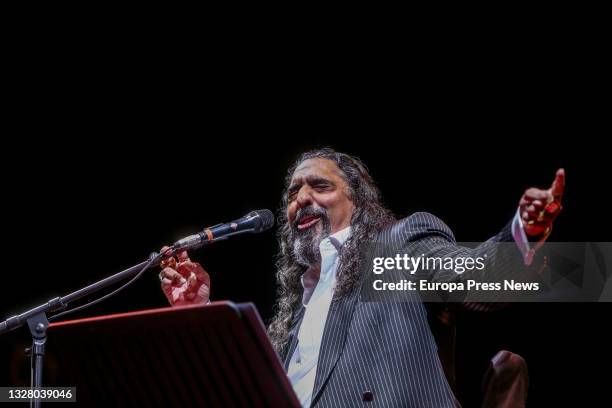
(266, 220)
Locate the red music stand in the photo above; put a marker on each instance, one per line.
(217, 355)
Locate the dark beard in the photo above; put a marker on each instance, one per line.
(306, 242)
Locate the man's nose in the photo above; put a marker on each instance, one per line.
(304, 197)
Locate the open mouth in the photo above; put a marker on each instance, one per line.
(307, 222)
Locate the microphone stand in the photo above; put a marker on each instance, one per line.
(36, 318)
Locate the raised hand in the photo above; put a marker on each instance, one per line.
(539, 208)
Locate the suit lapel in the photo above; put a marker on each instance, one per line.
(334, 338)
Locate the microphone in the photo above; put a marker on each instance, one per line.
(254, 222)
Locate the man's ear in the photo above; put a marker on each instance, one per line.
(349, 193)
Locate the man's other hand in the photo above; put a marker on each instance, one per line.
(184, 282)
(539, 208)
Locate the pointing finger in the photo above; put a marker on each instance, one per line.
(558, 186)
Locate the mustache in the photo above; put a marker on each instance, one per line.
(309, 211)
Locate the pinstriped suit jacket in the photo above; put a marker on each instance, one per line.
(387, 348)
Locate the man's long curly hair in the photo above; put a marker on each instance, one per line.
(369, 217)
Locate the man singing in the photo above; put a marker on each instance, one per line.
(337, 349)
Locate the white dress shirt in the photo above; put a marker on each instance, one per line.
(303, 364)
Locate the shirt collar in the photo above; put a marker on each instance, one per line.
(339, 238)
(329, 246)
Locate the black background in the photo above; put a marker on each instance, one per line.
(109, 162)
